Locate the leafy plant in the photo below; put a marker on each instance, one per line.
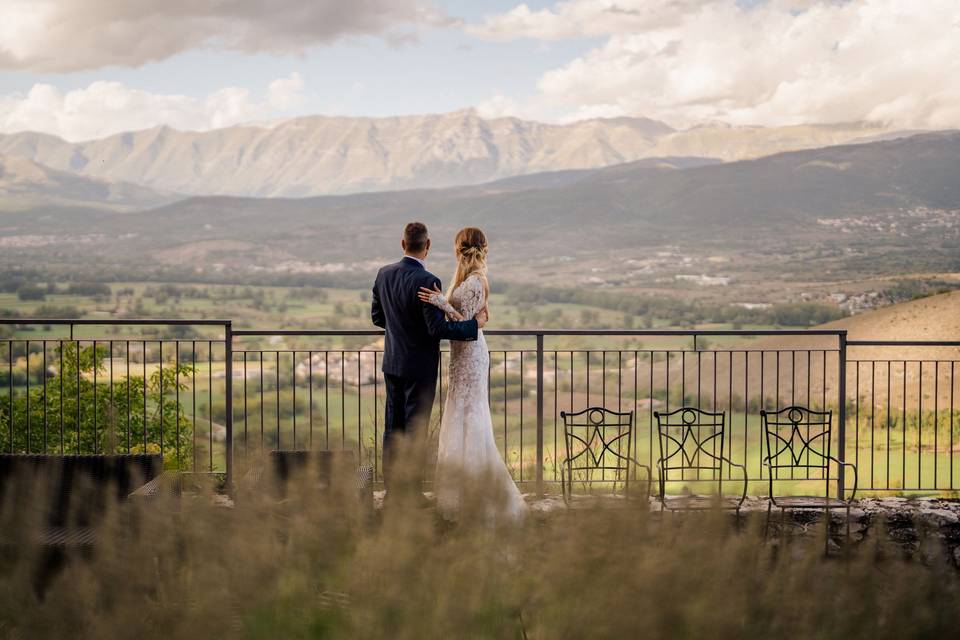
(72, 414)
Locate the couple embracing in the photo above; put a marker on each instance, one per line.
(409, 304)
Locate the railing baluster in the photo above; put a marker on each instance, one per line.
(293, 387)
(129, 402)
(176, 386)
(246, 413)
(326, 400)
(210, 402)
(889, 394)
(193, 384)
(842, 400)
(27, 399)
(920, 424)
(359, 410)
(78, 423)
(45, 393)
(279, 445)
(228, 399)
(160, 380)
(936, 419)
(540, 365)
(262, 403)
(903, 446)
(953, 385)
(10, 392)
(520, 460)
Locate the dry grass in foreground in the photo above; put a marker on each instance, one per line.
(310, 568)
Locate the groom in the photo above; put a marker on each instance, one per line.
(411, 355)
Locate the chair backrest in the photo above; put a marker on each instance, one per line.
(314, 470)
(691, 443)
(797, 438)
(598, 444)
(78, 485)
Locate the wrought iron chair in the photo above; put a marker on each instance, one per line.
(598, 442)
(799, 438)
(691, 445)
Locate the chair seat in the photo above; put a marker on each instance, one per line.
(810, 502)
(66, 536)
(699, 503)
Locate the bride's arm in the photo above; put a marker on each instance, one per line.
(436, 298)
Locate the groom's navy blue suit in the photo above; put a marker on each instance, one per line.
(411, 355)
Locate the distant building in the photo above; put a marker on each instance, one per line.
(705, 280)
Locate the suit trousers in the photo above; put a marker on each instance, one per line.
(409, 403)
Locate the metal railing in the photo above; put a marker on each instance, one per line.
(896, 414)
(67, 393)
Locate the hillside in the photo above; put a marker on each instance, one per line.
(319, 155)
(931, 318)
(25, 184)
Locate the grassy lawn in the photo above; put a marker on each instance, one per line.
(319, 565)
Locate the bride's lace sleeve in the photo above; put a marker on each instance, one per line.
(472, 297)
(440, 301)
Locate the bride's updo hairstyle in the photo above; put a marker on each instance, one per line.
(470, 247)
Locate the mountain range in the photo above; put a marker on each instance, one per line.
(774, 201)
(319, 155)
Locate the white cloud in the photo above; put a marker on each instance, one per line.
(780, 62)
(582, 18)
(71, 35)
(105, 108)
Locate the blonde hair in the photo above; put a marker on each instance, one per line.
(470, 247)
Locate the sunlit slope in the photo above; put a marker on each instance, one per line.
(793, 367)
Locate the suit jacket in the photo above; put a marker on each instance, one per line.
(414, 329)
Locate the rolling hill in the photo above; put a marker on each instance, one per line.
(933, 318)
(24, 184)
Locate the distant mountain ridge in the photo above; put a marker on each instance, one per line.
(901, 195)
(320, 155)
(627, 205)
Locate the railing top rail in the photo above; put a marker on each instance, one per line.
(903, 343)
(746, 333)
(116, 321)
(559, 332)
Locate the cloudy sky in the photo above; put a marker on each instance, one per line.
(88, 68)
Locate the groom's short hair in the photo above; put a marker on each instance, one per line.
(415, 236)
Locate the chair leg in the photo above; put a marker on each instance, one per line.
(848, 529)
(783, 523)
(826, 530)
(766, 526)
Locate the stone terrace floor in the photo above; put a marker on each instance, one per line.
(903, 519)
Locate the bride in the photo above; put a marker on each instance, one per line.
(469, 466)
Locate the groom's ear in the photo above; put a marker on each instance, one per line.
(427, 246)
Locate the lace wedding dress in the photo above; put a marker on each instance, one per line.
(469, 465)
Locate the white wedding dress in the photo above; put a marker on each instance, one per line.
(469, 465)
